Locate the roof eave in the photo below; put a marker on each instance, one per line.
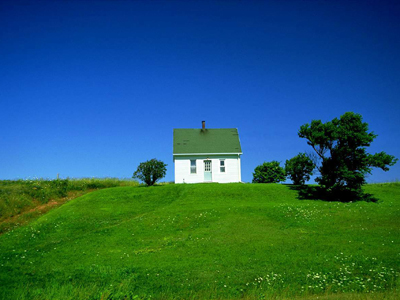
(227, 153)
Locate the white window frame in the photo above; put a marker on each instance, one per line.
(193, 168)
(222, 166)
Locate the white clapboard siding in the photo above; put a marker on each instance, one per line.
(232, 168)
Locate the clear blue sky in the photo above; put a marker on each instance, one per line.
(93, 88)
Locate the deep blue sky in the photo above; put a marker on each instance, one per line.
(93, 88)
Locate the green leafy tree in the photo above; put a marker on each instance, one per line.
(343, 161)
(150, 171)
(269, 172)
(299, 168)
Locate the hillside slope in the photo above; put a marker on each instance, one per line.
(204, 241)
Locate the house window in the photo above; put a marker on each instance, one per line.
(222, 166)
(192, 166)
(207, 165)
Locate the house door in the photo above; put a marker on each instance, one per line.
(207, 170)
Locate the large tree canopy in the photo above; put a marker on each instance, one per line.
(340, 147)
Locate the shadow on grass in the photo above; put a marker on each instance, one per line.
(156, 184)
(315, 192)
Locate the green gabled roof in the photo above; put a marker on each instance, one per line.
(207, 141)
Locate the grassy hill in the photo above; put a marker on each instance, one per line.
(206, 241)
(22, 201)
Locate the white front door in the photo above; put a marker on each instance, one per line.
(207, 170)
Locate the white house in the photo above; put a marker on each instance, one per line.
(207, 155)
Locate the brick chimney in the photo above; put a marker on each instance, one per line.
(203, 124)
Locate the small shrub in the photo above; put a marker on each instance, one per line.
(150, 171)
(269, 172)
(299, 168)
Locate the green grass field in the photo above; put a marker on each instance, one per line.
(22, 201)
(207, 241)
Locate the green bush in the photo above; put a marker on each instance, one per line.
(299, 168)
(269, 172)
(150, 171)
